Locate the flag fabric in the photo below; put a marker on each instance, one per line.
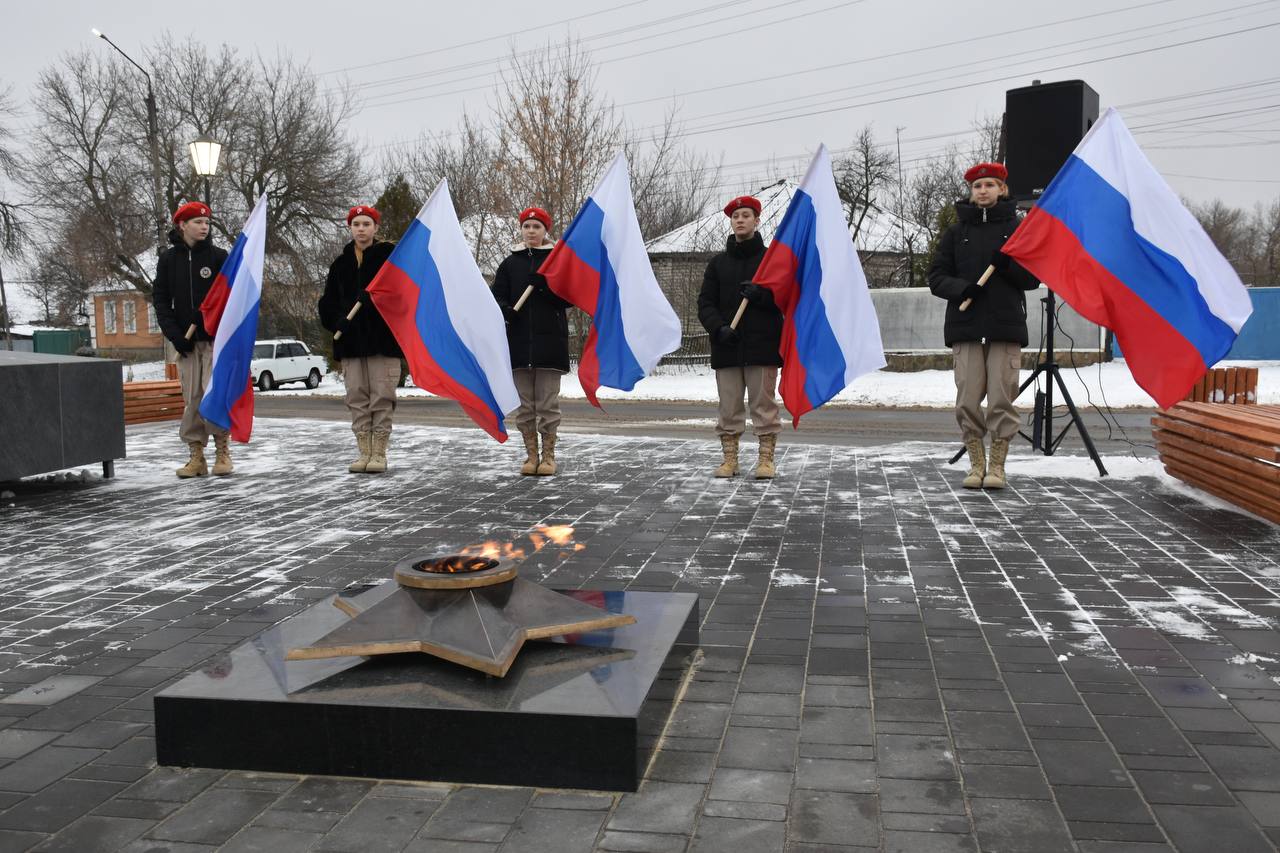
(444, 317)
(229, 312)
(1113, 240)
(601, 266)
(830, 333)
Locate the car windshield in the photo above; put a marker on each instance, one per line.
(262, 350)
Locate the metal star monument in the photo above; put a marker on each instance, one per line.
(472, 611)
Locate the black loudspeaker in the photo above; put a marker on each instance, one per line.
(1043, 125)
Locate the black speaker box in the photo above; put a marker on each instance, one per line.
(1043, 124)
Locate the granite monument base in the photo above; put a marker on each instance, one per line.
(582, 711)
(59, 411)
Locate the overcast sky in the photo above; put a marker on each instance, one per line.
(761, 82)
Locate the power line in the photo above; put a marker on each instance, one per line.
(949, 72)
(512, 34)
(958, 87)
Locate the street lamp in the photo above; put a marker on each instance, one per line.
(204, 156)
(153, 141)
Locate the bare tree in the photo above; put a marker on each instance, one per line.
(864, 177)
(11, 225)
(984, 145)
(671, 184)
(281, 133)
(555, 132)
(468, 157)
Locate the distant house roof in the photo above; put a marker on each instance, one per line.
(881, 231)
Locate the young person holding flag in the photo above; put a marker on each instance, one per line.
(366, 348)
(745, 355)
(538, 337)
(987, 334)
(184, 273)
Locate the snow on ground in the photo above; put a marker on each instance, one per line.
(1108, 384)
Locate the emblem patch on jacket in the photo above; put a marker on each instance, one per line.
(205, 272)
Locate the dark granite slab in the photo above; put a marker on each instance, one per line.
(58, 411)
(583, 711)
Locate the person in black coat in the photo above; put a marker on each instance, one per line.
(184, 272)
(744, 355)
(538, 337)
(986, 336)
(368, 352)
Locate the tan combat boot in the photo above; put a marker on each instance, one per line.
(995, 468)
(195, 466)
(547, 464)
(765, 468)
(977, 464)
(222, 456)
(729, 447)
(364, 441)
(378, 453)
(530, 466)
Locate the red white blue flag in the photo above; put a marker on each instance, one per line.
(830, 333)
(443, 315)
(230, 314)
(1112, 239)
(601, 266)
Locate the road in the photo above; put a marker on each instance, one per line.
(850, 427)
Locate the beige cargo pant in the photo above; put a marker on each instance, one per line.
(987, 370)
(760, 385)
(371, 391)
(193, 374)
(539, 390)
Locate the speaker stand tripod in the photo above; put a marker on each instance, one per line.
(1042, 437)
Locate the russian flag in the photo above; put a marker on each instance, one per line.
(436, 302)
(830, 333)
(230, 314)
(601, 266)
(1113, 240)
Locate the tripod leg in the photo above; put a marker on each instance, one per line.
(1075, 418)
(956, 458)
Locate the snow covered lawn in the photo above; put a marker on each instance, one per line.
(1103, 384)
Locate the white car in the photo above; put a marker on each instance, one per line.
(281, 360)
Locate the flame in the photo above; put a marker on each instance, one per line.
(560, 535)
(494, 550)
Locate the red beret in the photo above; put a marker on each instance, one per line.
(538, 214)
(190, 210)
(742, 201)
(364, 210)
(987, 170)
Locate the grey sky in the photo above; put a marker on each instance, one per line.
(883, 51)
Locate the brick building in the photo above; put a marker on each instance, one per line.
(125, 326)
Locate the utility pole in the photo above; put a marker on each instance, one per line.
(153, 142)
(4, 309)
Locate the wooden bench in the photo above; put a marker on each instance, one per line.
(147, 402)
(1237, 386)
(1230, 451)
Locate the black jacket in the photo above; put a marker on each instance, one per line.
(368, 333)
(760, 329)
(537, 334)
(183, 276)
(999, 313)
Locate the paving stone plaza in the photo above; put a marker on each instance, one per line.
(887, 661)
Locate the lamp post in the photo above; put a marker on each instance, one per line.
(204, 156)
(153, 141)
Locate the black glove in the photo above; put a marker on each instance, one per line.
(508, 313)
(184, 345)
(726, 336)
(537, 282)
(973, 292)
(344, 325)
(761, 297)
(1000, 260)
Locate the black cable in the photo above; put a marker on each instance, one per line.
(1089, 398)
